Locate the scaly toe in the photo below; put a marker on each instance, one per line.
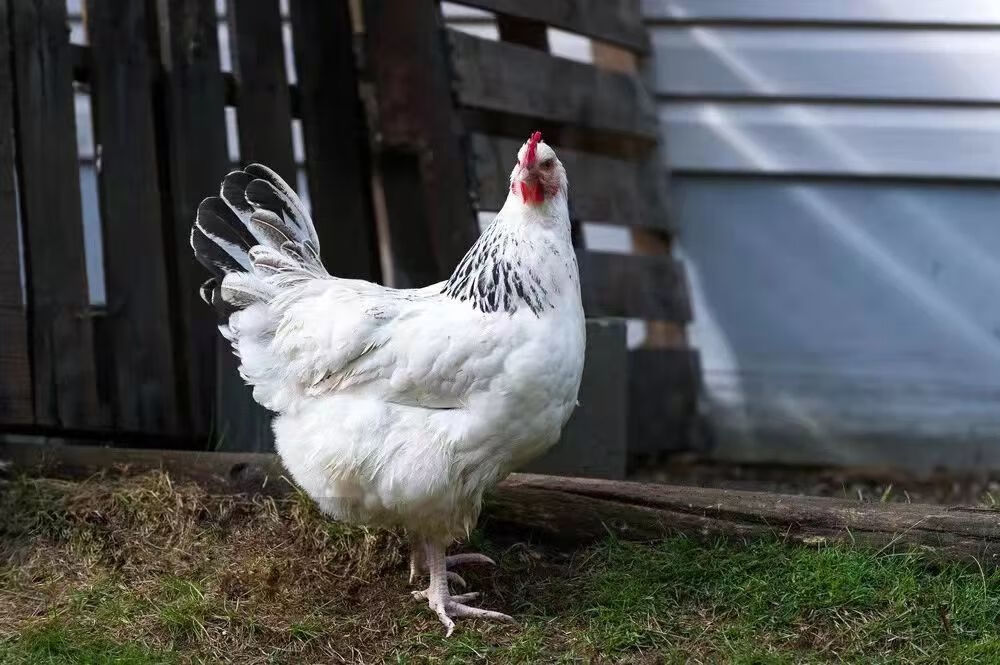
(457, 579)
(440, 608)
(457, 609)
(465, 597)
(468, 557)
(454, 607)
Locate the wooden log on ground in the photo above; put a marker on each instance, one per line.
(583, 509)
(578, 510)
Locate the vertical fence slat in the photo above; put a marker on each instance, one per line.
(143, 383)
(64, 375)
(336, 141)
(264, 107)
(194, 146)
(407, 56)
(409, 243)
(15, 368)
(264, 117)
(663, 395)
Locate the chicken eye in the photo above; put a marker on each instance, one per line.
(548, 164)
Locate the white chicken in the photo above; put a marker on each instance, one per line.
(402, 407)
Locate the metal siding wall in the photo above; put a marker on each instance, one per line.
(837, 188)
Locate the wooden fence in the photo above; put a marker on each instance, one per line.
(407, 126)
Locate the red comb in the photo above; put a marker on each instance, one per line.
(529, 156)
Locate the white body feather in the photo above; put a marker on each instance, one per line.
(401, 407)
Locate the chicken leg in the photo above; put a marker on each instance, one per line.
(418, 565)
(439, 598)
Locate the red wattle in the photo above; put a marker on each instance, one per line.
(533, 192)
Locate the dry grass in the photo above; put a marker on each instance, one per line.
(242, 578)
(138, 570)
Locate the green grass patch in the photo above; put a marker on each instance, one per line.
(767, 599)
(58, 645)
(183, 608)
(141, 571)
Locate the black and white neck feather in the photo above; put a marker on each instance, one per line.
(495, 276)
(525, 258)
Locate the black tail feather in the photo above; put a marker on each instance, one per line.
(255, 210)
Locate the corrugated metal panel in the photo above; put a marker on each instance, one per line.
(926, 65)
(946, 12)
(857, 140)
(837, 189)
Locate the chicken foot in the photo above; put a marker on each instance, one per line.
(437, 594)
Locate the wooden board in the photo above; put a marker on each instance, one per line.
(335, 136)
(62, 341)
(15, 367)
(602, 189)
(514, 79)
(644, 287)
(139, 346)
(264, 118)
(581, 510)
(616, 21)
(412, 111)
(663, 387)
(196, 159)
(593, 443)
(65, 458)
(263, 105)
(411, 258)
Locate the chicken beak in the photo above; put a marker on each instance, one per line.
(530, 186)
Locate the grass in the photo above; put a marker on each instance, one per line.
(136, 570)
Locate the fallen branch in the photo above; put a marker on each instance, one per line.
(578, 510)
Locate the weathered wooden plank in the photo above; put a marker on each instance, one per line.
(659, 334)
(62, 342)
(335, 137)
(411, 259)
(15, 367)
(580, 510)
(140, 349)
(259, 473)
(263, 104)
(583, 509)
(663, 386)
(645, 287)
(593, 443)
(619, 22)
(241, 423)
(194, 148)
(602, 189)
(413, 111)
(265, 131)
(518, 80)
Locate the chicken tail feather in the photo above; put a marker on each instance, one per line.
(257, 240)
(254, 237)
